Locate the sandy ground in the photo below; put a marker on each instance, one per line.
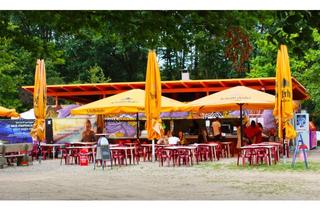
(148, 181)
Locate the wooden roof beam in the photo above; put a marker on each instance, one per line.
(166, 85)
(185, 85)
(78, 99)
(203, 84)
(63, 88)
(99, 88)
(85, 93)
(82, 88)
(132, 86)
(222, 84)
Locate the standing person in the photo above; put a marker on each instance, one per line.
(216, 129)
(88, 134)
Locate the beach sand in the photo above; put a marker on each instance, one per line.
(148, 181)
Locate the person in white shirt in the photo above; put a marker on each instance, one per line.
(173, 139)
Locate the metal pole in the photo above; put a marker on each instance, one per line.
(153, 151)
(241, 128)
(138, 133)
(39, 152)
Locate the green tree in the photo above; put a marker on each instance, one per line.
(13, 64)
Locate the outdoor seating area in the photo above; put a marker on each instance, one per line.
(124, 153)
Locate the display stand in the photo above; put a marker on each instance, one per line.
(300, 146)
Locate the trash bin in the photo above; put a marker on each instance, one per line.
(103, 152)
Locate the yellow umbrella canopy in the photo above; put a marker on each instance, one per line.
(39, 101)
(4, 112)
(231, 98)
(131, 101)
(283, 110)
(153, 97)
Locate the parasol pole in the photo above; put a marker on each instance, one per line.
(138, 133)
(241, 127)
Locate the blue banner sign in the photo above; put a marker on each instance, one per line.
(15, 131)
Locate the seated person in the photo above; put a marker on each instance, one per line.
(173, 139)
(203, 136)
(164, 138)
(259, 133)
(88, 134)
(251, 132)
(182, 139)
(144, 134)
(216, 129)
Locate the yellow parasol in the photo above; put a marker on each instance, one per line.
(153, 98)
(231, 98)
(283, 110)
(131, 101)
(4, 112)
(39, 102)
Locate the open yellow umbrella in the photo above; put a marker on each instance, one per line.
(4, 112)
(231, 98)
(131, 101)
(39, 101)
(283, 110)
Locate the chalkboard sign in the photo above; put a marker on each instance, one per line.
(105, 152)
(103, 155)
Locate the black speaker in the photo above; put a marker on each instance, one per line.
(49, 131)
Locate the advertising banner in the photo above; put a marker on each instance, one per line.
(66, 130)
(15, 131)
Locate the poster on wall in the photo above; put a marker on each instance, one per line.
(15, 131)
(66, 130)
(121, 128)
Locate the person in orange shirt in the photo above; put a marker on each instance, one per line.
(259, 133)
(251, 132)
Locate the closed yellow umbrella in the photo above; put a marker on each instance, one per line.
(153, 97)
(283, 110)
(4, 112)
(231, 98)
(153, 100)
(39, 102)
(131, 101)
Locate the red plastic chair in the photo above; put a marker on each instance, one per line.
(204, 153)
(34, 152)
(183, 155)
(165, 155)
(261, 156)
(246, 155)
(118, 155)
